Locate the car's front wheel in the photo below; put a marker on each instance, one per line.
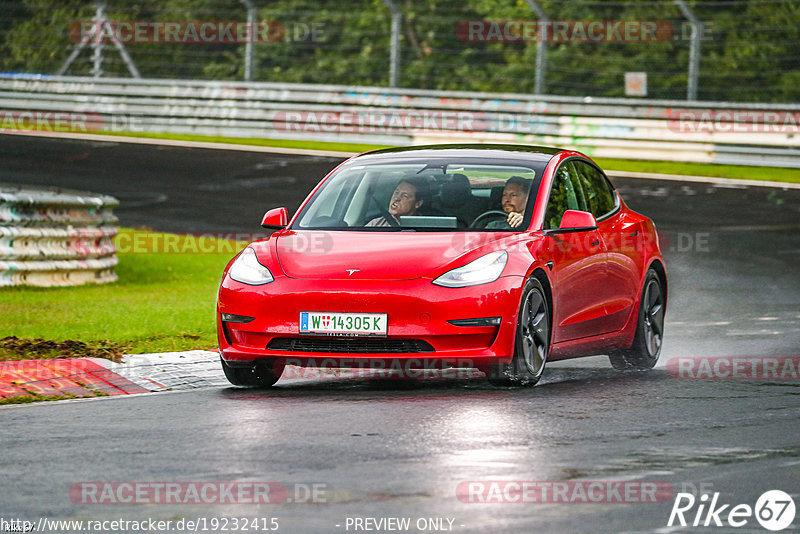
(532, 341)
(643, 353)
(263, 375)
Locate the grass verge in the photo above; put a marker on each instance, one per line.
(775, 174)
(26, 399)
(163, 301)
(255, 141)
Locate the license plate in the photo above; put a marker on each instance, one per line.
(338, 324)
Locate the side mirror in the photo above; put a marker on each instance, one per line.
(275, 219)
(576, 221)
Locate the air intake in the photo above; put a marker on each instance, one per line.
(349, 345)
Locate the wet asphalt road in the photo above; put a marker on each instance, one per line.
(385, 448)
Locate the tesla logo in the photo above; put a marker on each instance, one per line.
(351, 271)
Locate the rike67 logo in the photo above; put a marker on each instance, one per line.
(774, 510)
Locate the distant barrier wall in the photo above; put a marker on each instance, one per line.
(707, 132)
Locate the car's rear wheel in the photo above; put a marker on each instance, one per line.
(263, 375)
(643, 353)
(532, 341)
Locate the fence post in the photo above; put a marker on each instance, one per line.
(248, 47)
(694, 50)
(97, 45)
(394, 60)
(541, 48)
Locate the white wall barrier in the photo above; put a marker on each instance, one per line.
(706, 132)
(56, 238)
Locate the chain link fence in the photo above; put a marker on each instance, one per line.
(736, 50)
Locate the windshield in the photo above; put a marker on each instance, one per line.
(431, 196)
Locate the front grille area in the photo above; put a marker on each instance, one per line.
(349, 345)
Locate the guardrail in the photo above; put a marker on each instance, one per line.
(56, 238)
(709, 132)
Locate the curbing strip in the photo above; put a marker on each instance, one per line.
(171, 370)
(68, 377)
(91, 377)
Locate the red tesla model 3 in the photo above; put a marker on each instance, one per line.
(495, 257)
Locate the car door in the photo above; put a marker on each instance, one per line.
(617, 232)
(578, 263)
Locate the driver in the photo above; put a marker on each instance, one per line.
(515, 197)
(407, 199)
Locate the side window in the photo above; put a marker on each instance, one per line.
(566, 194)
(599, 194)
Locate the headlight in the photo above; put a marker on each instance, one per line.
(481, 271)
(247, 270)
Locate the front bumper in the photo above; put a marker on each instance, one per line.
(418, 311)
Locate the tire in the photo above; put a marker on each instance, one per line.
(643, 353)
(263, 375)
(531, 342)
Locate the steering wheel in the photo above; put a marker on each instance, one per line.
(493, 214)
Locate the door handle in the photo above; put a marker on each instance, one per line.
(594, 243)
(634, 234)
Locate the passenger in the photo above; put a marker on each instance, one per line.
(407, 199)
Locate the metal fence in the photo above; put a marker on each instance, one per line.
(717, 50)
(750, 134)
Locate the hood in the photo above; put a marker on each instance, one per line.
(372, 255)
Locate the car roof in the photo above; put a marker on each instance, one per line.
(486, 151)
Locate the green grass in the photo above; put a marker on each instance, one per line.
(162, 302)
(32, 397)
(777, 174)
(27, 399)
(255, 141)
